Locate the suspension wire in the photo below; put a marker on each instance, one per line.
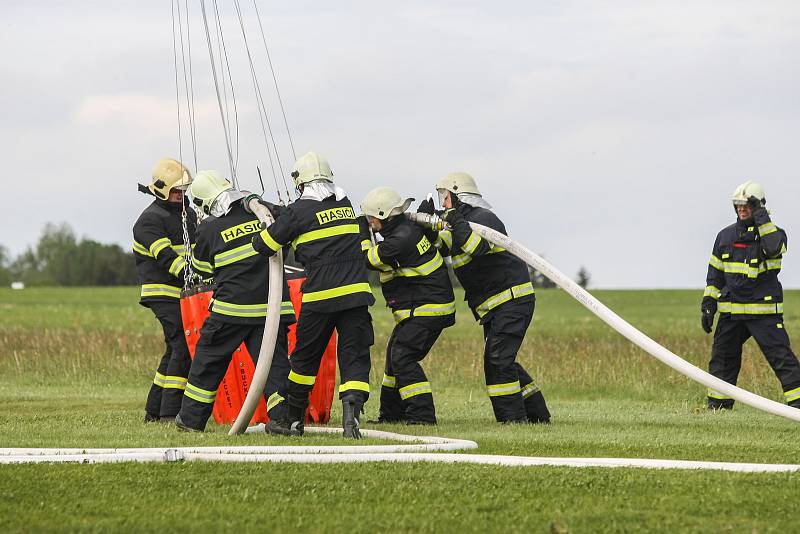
(219, 98)
(223, 55)
(191, 87)
(275, 81)
(177, 84)
(189, 110)
(262, 110)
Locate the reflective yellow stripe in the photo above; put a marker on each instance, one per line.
(200, 394)
(274, 400)
(792, 394)
(401, 315)
(472, 243)
(271, 243)
(714, 394)
(412, 390)
(141, 249)
(175, 382)
(715, 262)
(356, 385)
(751, 309)
(248, 310)
(337, 292)
(365, 244)
(159, 379)
(711, 291)
(180, 250)
(433, 310)
(461, 260)
(375, 259)
(767, 228)
(324, 233)
(202, 265)
(158, 245)
(498, 390)
(773, 264)
(177, 266)
(494, 301)
(446, 237)
(302, 379)
(421, 270)
(389, 381)
(160, 290)
(234, 255)
(530, 389)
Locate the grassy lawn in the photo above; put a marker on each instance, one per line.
(75, 365)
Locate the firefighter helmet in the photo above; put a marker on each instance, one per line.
(747, 190)
(207, 186)
(169, 174)
(458, 182)
(311, 167)
(384, 202)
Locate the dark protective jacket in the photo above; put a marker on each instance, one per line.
(159, 250)
(325, 238)
(241, 275)
(490, 275)
(413, 274)
(743, 270)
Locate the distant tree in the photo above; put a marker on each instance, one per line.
(539, 279)
(5, 260)
(584, 277)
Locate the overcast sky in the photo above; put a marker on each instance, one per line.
(606, 134)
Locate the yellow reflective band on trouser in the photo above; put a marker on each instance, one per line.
(715, 262)
(494, 301)
(412, 390)
(235, 254)
(354, 385)
(498, 390)
(323, 233)
(159, 379)
(337, 292)
(711, 291)
(421, 270)
(274, 400)
(160, 290)
(200, 394)
(530, 389)
(389, 381)
(174, 382)
(202, 265)
(158, 245)
(472, 243)
(248, 310)
(792, 395)
(751, 309)
(270, 242)
(177, 266)
(714, 394)
(767, 228)
(302, 379)
(141, 249)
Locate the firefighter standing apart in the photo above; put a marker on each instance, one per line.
(417, 288)
(742, 284)
(239, 307)
(499, 291)
(160, 254)
(322, 229)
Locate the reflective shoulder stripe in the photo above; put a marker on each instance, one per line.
(412, 390)
(494, 301)
(202, 265)
(160, 290)
(354, 385)
(200, 394)
(232, 256)
(767, 228)
(177, 266)
(472, 243)
(158, 245)
(323, 233)
(306, 380)
(712, 291)
(270, 242)
(248, 310)
(751, 309)
(337, 292)
(715, 262)
(141, 249)
(498, 390)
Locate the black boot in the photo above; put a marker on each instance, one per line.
(183, 426)
(351, 411)
(536, 408)
(290, 424)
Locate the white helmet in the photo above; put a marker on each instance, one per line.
(207, 186)
(384, 202)
(747, 190)
(311, 167)
(457, 183)
(169, 174)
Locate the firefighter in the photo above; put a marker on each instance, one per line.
(322, 229)
(239, 307)
(498, 289)
(742, 285)
(160, 253)
(418, 290)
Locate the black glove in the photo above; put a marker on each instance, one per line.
(760, 213)
(708, 309)
(453, 217)
(754, 203)
(363, 228)
(426, 206)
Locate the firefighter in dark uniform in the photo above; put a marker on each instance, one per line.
(322, 229)
(160, 253)
(499, 291)
(239, 307)
(418, 290)
(742, 285)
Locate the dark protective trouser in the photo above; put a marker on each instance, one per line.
(314, 330)
(215, 349)
(164, 398)
(514, 395)
(772, 339)
(406, 394)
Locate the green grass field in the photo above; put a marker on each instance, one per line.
(75, 366)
